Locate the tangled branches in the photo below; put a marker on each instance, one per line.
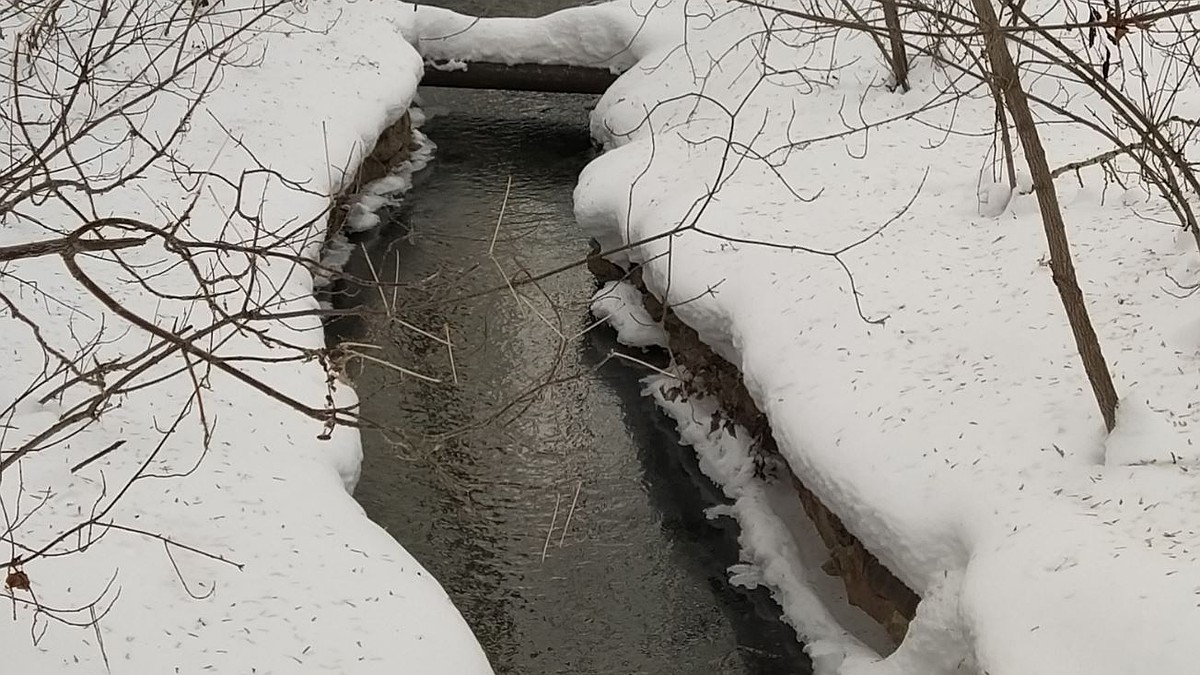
(140, 263)
(1113, 71)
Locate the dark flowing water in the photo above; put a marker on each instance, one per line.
(551, 500)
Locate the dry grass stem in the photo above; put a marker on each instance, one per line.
(550, 532)
(570, 512)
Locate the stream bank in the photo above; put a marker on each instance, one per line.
(869, 585)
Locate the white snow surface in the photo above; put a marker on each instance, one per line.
(619, 303)
(958, 439)
(608, 35)
(321, 588)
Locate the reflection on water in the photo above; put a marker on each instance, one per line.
(631, 578)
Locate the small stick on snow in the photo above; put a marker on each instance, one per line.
(98, 455)
(570, 512)
(99, 637)
(450, 351)
(553, 519)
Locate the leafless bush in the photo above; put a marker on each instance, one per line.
(129, 269)
(1114, 71)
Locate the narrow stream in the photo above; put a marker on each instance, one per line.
(631, 579)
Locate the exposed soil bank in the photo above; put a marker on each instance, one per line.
(393, 147)
(869, 584)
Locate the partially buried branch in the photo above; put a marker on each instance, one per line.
(70, 244)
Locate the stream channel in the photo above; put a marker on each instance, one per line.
(632, 579)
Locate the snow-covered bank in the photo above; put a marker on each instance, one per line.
(390, 176)
(779, 548)
(607, 35)
(314, 585)
(958, 439)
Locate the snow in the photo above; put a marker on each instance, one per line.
(993, 199)
(598, 36)
(923, 382)
(619, 303)
(771, 523)
(320, 588)
(364, 206)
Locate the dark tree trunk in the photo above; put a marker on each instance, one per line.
(891, 17)
(1063, 270)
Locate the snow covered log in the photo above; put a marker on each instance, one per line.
(520, 77)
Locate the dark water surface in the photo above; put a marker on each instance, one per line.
(631, 579)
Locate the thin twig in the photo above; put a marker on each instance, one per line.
(387, 364)
(550, 532)
(500, 218)
(98, 455)
(571, 512)
(99, 637)
(645, 364)
(375, 276)
(450, 352)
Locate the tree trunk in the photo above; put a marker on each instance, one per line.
(1005, 139)
(1061, 267)
(891, 17)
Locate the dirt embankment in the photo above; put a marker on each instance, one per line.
(869, 585)
(394, 146)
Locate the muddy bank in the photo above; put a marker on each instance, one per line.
(869, 584)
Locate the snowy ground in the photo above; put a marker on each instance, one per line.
(959, 439)
(317, 587)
